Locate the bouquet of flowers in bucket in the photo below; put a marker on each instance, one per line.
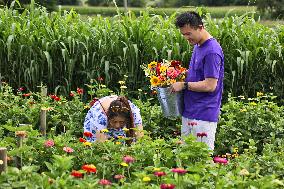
(163, 74)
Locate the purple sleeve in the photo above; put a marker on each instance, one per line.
(212, 66)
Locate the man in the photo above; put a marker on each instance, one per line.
(204, 82)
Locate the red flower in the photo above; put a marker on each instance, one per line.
(89, 168)
(104, 182)
(82, 140)
(180, 171)
(88, 134)
(57, 98)
(71, 94)
(118, 177)
(77, 174)
(128, 159)
(220, 160)
(93, 101)
(159, 173)
(203, 134)
(52, 96)
(80, 91)
(167, 186)
(175, 63)
(158, 69)
(27, 94)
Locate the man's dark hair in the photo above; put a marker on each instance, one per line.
(191, 18)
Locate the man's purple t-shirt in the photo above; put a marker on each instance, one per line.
(207, 61)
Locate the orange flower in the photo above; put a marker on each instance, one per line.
(89, 168)
(77, 174)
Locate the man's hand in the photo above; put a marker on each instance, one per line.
(175, 87)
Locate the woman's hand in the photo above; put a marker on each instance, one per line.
(101, 137)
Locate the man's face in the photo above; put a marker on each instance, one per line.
(191, 34)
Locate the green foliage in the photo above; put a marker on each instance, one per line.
(259, 119)
(274, 8)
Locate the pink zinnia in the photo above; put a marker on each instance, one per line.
(68, 149)
(159, 173)
(167, 186)
(118, 177)
(128, 159)
(80, 91)
(104, 182)
(49, 143)
(180, 171)
(203, 134)
(220, 160)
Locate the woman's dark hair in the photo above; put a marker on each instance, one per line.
(191, 18)
(121, 107)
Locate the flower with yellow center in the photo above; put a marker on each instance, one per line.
(163, 69)
(146, 179)
(152, 64)
(87, 144)
(154, 81)
(124, 164)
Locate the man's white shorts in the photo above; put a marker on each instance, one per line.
(204, 130)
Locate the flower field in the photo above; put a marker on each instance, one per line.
(249, 147)
(53, 66)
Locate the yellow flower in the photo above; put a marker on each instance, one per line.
(154, 81)
(120, 136)
(243, 110)
(121, 82)
(236, 150)
(258, 94)
(253, 104)
(157, 169)
(152, 64)
(163, 69)
(117, 143)
(146, 179)
(123, 87)
(86, 107)
(87, 144)
(125, 129)
(124, 164)
(104, 130)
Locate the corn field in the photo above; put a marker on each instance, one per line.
(63, 51)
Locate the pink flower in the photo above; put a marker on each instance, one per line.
(71, 94)
(118, 177)
(104, 182)
(167, 186)
(68, 149)
(128, 159)
(220, 160)
(21, 89)
(49, 143)
(203, 134)
(180, 171)
(173, 73)
(159, 173)
(27, 94)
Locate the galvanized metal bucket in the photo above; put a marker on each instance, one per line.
(171, 103)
